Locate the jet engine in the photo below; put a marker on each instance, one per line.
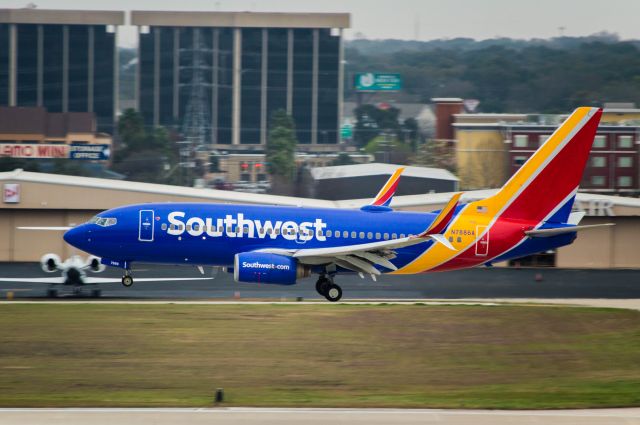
(259, 267)
(50, 263)
(94, 264)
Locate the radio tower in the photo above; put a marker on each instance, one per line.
(196, 125)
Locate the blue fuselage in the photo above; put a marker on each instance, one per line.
(211, 234)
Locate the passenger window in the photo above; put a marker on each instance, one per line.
(353, 235)
(377, 235)
(229, 229)
(269, 231)
(394, 236)
(450, 238)
(164, 226)
(369, 235)
(329, 233)
(459, 239)
(337, 235)
(401, 235)
(345, 234)
(277, 231)
(386, 236)
(361, 235)
(221, 229)
(188, 227)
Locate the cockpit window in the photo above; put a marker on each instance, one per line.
(103, 221)
(93, 219)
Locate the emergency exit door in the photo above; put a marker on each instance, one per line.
(145, 231)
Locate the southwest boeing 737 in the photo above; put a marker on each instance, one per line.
(531, 213)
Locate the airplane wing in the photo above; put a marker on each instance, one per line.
(50, 280)
(363, 257)
(96, 280)
(54, 228)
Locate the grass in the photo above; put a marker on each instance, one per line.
(324, 355)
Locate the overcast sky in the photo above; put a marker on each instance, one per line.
(415, 19)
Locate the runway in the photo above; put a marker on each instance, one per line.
(474, 283)
(279, 416)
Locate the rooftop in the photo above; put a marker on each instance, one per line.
(240, 19)
(375, 168)
(36, 120)
(70, 17)
(425, 202)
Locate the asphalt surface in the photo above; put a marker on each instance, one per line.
(265, 416)
(474, 283)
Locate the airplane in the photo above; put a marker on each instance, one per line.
(531, 213)
(74, 273)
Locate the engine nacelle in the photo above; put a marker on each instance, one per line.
(50, 263)
(259, 267)
(94, 264)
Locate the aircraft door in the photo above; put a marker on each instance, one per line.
(482, 244)
(145, 230)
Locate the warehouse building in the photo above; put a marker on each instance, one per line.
(63, 60)
(38, 199)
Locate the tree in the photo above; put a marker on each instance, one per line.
(436, 154)
(280, 152)
(131, 130)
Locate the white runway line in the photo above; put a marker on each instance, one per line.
(631, 304)
(286, 416)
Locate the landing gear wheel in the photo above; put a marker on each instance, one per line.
(333, 293)
(322, 285)
(127, 280)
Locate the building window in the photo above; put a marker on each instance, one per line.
(262, 177)
(519, 160)
(624, 181)
(543, 138)
(520, 140)
(625, 142)
(598, 161)
(600, 141)
(245, 177)
(625, 161)
(597, 180)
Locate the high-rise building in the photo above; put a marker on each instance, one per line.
(226, 72)
(63, 60)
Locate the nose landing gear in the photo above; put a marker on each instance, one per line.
(328, 289)
(127, 280)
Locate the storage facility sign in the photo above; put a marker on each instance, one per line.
(90, 152)
(371, 81)
(48, 151)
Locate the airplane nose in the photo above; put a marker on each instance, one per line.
(74, 236)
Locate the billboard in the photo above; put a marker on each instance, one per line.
(372, 81)
(49, 151)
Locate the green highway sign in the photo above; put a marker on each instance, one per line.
(372, 81)
(346, 131)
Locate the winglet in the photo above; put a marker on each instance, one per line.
(383, 198)
(444, 218)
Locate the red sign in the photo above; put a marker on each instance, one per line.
(34, 150)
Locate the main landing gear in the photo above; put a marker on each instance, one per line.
(127, 280)
(328, 289)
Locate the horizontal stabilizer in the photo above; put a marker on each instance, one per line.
(545, 233)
